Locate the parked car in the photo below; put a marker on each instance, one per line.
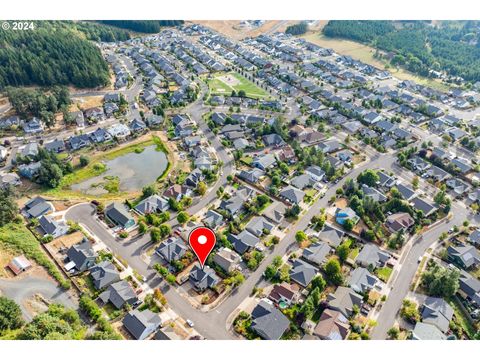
(190, 323)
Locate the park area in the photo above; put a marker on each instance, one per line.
(224, 84)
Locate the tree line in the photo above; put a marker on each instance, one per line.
(297, 29)
(144, 26)
(50, 56)
(418, 46)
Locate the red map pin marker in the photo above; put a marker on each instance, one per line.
(202, 240)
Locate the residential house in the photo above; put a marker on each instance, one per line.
(424, 331)
(52, 227)
(333, 325)
(152, 204)
(275, 213)
(399, 221)
(81, 256)
(343, 300)
(372, 256)
(342, 215)
(268, 321)
(104, 274)
(243, 242)
(315, 173)
(37, 207)
(213, 219)
(284, 293)
(202, 279)
(119, 215)
(119, 294)
(264, 161)
(302, 273)
(425, 206)
(141, 324)
(259, 226)
(317, 253)
(465, 256)
(469, 289)
(436, 311)
(227, 259)
(362, 281)
(171, 249)
(292, 195)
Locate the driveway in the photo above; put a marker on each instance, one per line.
(21, 290)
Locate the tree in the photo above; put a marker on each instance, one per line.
(409, 311)
(149, 190)
(84, 160)
(10, 315)
(201, 188)
(300, 237)
(170, 278)
(155, 234)
(368, 177)
(333, 271)
(318, 282)
(165, 230)
(8, 206)
(415, 182)
(440, 281)
(270, 272)
(142, 227)
(393, 333)
(182, 217)
(342, 251)
(348, 224)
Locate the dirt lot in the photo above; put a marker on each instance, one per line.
(5, 257)
(64, 242)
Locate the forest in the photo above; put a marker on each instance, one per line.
(297, 29)
(144, 26)
(49, 56)
(419, 46)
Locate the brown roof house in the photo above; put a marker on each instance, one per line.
(333, 325)
(284, 292)
(399, 221)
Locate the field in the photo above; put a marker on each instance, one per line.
(365, 54)
(224, 84)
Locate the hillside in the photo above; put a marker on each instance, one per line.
(420, 47)
(55, 53)
(143, 26)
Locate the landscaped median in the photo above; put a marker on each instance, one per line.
(97, 167)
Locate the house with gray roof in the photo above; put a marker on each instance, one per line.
(302, 181)
(371, 255)
(418, 164)
(269, 322)
(317, 253)
(213, 219)
(436, 311)
(152, 204)
(465, 256)
(202, 279)
(331, 236)
(292, 195)
(427, 207)
(244, 241)
(252, 176)
(259, 226)
(302, 273)
(362, 281)
(373, 193)
(424, 331)
(119, 294)
(275, 212)
(458, 187)
(119, 215)
(315, 173)
(474, 237)
(52, 227)
(141, 324)
(264, 161)
(171, 249)
(37, 207)
(104, 274)
(462, 164)
(469, 288)
(82, 255)
(343, 300)
(406, 192)
(437, 173)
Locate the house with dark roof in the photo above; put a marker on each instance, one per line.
(465, 256)
(104, 274)
(243, 242)
(292, 195)
(202, 279)
(264, 161)
(269, 322)
(213, 219)
(252, 176)
(52, 227)
(56, 146)
(331, 236)
(81, 256)
(406, 192)
(284, 293)
(399, 221)
(275, 212)
(427, 207)
(474, 237)
(171, 249)
(424, 331)
(259, 226)
(119, 215)
(343, 300)
(372, 256)
(119, 294)
(469, 288)
(37, 207)
(436, 311)
(141, 324)
(373, 193)
(302, 273)
(234, 204)
(362, 281)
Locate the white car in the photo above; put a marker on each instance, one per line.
(190, 323)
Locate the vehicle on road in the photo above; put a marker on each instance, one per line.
(190, 323)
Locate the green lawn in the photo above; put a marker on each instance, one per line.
(220, 85)
(384, 273)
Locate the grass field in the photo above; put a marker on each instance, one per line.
(224, 84)
(365, 54)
